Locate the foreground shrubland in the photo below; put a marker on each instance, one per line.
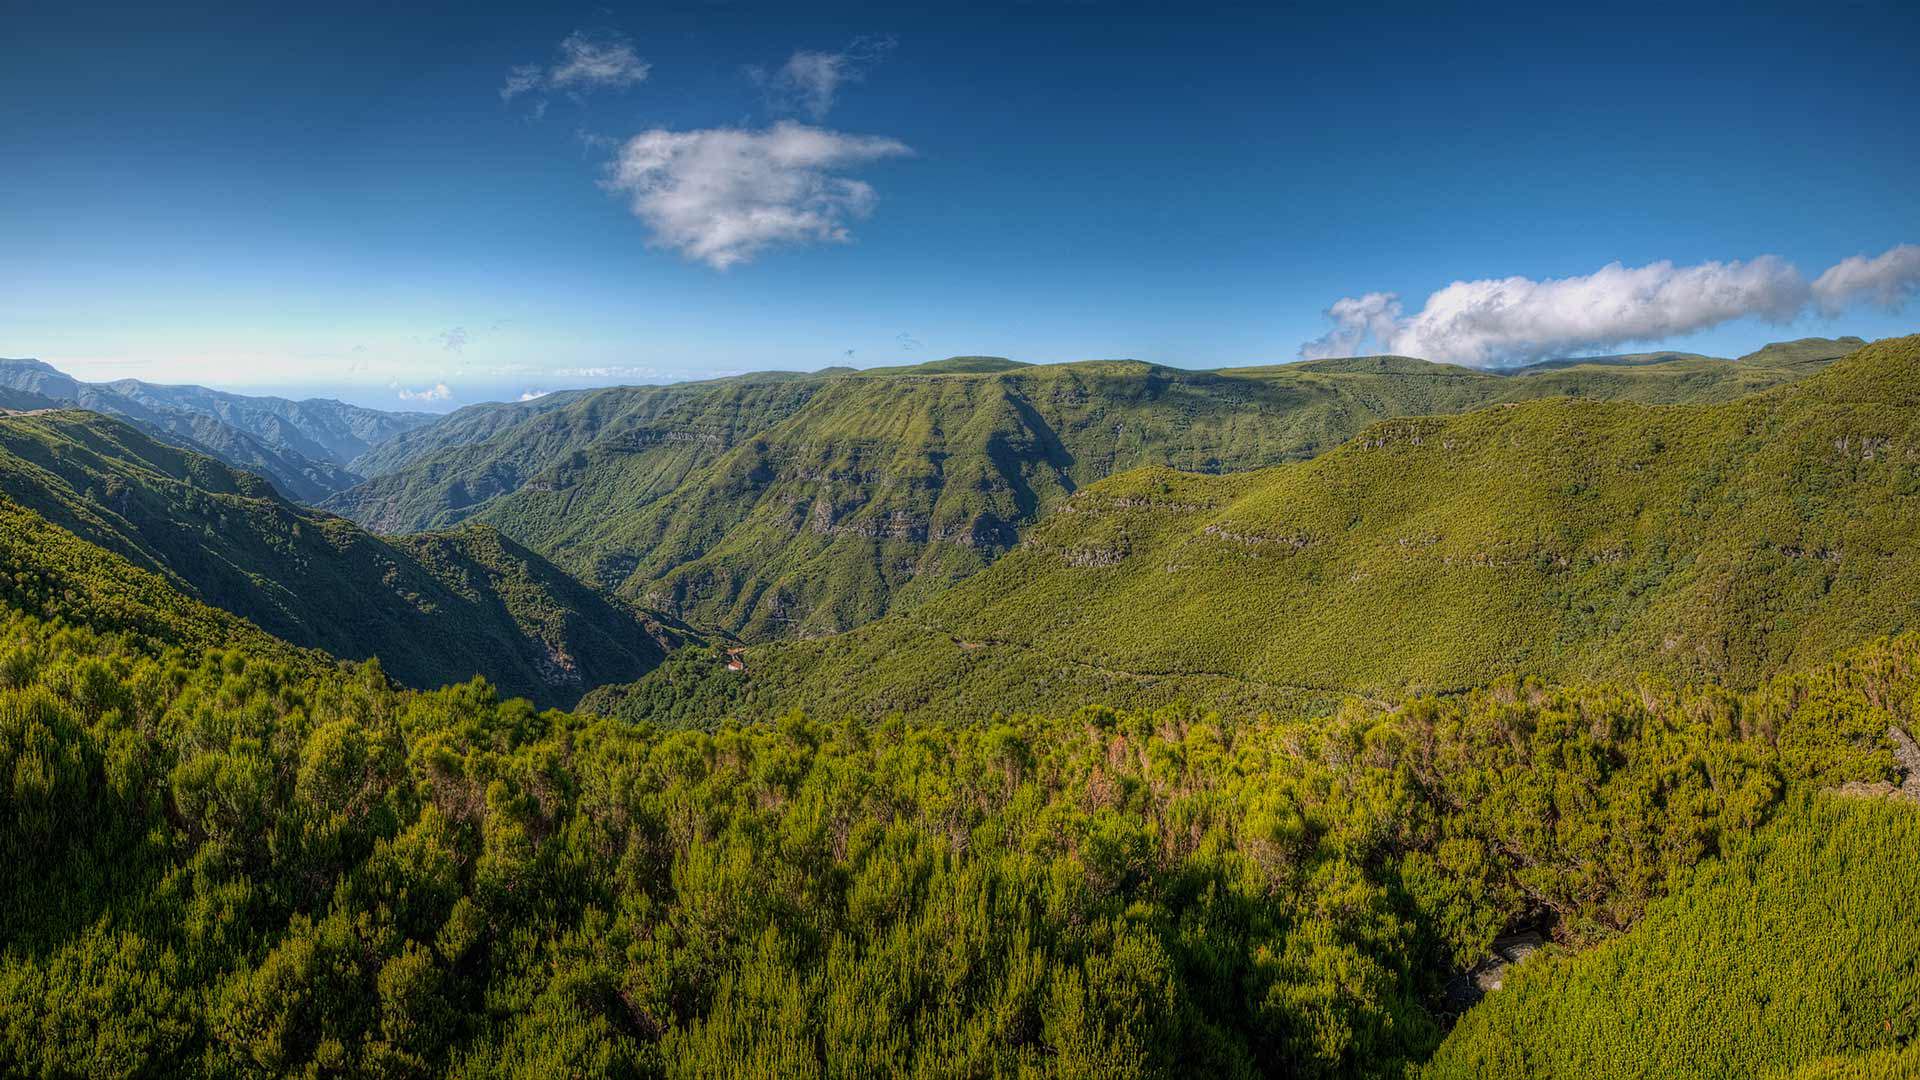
(220, 865)
(1795, 954)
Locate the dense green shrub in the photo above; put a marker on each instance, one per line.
(1799, 942)
(224, 865)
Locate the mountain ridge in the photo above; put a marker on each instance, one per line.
(434, 607)
(305, 447)
(1565, 538)
(802, 506)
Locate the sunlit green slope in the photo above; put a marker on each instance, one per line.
(795, 506)
(1562, 537)
(1800, 945)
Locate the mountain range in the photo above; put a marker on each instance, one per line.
(780, 505)
(1561, 537)
(304, 447)
(789, 506)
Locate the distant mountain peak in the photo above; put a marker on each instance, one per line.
(1384, 364)
(953, 365)
(1801, 351)
(303, 447)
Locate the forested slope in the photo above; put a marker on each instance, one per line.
(1563, 537)
(225, 866)
(231, 857)
(1800, 942)
(780, 506)
(48, 574)
(435, 608)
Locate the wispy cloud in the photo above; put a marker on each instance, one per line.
(522, 79)
(1355, 319)
(1499, 322)
(453, 339)
(584, 62)
(436, 392)
(907, 342)
(534, 395)
(722, 196)
(1887, 280)
(810, 80)
(610, 372)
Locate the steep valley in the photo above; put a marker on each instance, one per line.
(785, 506)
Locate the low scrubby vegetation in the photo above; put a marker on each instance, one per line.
(224, 865)
(1793, 954)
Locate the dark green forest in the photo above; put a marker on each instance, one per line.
(1796, 946)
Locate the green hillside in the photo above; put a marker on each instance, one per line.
(458, 467)
(464, 426)
(1796, 946)
(1567, 538)
(1803, 353)
(48, 574)
(798, 506)
(224, 865)
(238, 858)
(1664, 378)
(435, 608)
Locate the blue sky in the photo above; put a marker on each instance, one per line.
(343, 200)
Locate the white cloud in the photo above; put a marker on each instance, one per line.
(585, 62)
(1889, 280)
(436, 392)
(534, 395)
(1513, 320)
(1355, 318)
(810, 80)
(1500, 322)
(723, 195)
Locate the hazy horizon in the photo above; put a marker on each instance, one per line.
(374, 205)
(495, 391)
